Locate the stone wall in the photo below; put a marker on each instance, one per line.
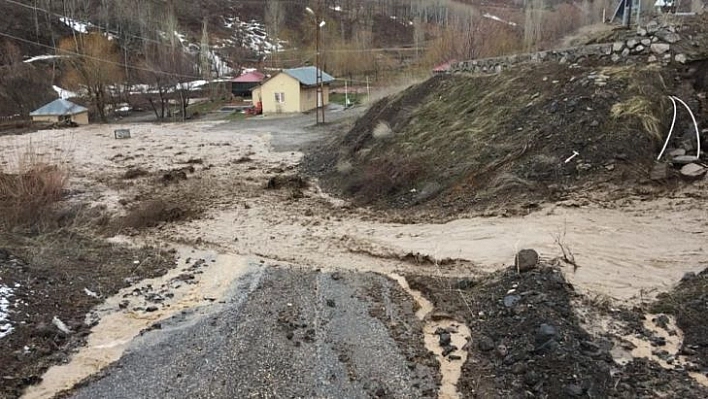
(651, 43)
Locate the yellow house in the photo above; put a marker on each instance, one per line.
(292, 90)
(61, 110)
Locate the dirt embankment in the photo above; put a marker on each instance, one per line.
(534, 133)
(527, 341)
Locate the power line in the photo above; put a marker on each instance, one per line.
(30, 7)
(121, 64)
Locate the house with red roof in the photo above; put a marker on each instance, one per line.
(242, 85)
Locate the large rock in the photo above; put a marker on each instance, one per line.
(617, 47)
(632, 43)
(652, 27)
(659, 172)
(526, 259)
(684, 159)
(668, 36)
(693, 171)
(681, 58)
(660, 48)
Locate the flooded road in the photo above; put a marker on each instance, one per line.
(117, 328)
(330, 291)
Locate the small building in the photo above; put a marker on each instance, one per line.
(61, 110)
(444, 67)
(242, 85)
(292, 90)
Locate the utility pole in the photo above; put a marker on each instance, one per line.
(319, 83)
(318, 72)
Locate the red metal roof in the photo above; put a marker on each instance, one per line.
(250, 77)
(445, 66)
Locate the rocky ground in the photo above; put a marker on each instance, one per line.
(528, 340)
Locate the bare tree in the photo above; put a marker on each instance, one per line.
(93, 62)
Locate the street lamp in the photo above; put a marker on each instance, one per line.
(318, 68)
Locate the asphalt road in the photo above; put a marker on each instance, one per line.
(281, 333)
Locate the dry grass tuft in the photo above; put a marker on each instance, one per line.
(28, 196)
(643, 109)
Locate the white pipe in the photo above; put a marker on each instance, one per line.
(673, 122)
(695, 124)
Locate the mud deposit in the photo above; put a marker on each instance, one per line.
(200, 278)
(64, 281)
(443, 336)
(527, 339)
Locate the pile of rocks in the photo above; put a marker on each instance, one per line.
(654, 40)
(682, 159)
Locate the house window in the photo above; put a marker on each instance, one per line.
(280, 98)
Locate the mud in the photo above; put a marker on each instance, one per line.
(459, 266)
(134, 309)
(526, 338)
(450, 360)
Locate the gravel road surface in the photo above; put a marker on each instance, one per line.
(281, 333)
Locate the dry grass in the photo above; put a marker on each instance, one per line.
(643, 109)
(29, 194)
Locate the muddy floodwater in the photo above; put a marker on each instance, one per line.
(626, 253)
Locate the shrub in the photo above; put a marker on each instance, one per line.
(28, 196)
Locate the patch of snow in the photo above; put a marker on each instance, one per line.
(336, 8)
(219, 65)
(5, 326)
(64, 94)
(253, 35)
(495, 18)
(81, 27)
(42, 57)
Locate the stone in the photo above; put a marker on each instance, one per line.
(642, 31)
(574, 390)
(660, 48)
(638, 49)
(677, 152)
(632, 43)
(615, 57)
(445, 339)
(652, 27)
(652, 58)
(659, 172)
(625, 52)
(511, 300)
(684, 159)
(681, 58)
(668, 36)
(519, 368)
(545, 332)
(645, 42)
(617, 47)
(485, 343)
(331, 303)
(448, 349)
(525, 260)
(693, 171)
(336, 276)
(151, 309)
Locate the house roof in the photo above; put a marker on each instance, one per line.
(250, 77)
(444, 67)
(308, 75)
(59, 107)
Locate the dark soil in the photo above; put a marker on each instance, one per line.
(51, 274)
(528, 342)
(479, 143)
(689, 303)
